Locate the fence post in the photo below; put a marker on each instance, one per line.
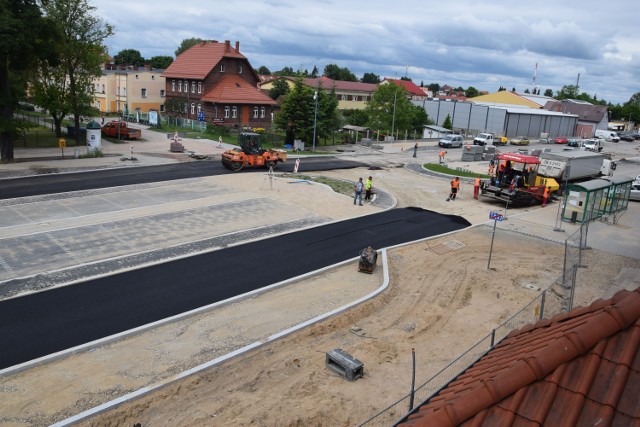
(413, 379)
(544, 294)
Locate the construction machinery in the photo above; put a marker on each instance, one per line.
(251, 154)
(516, 182)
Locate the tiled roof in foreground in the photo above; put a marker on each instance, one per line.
(577, 368)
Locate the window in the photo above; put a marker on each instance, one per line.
(162, 93)
(222, 67)
(193, 108)
(180, 86)
(186, 86)
(162, 108)
(344, 97)
(173, 85)
(240, 69)
(193, 87)
(234, 112)
(255, 112)
(199, 87)
(199, 109)
(143, 92)
(186, 106)
(98, 105)
(103, 88)
(262, 112)
(226, 112)
(124, 91)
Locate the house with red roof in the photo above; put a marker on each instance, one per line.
(580, 368)
(214, 82)
(414, 92)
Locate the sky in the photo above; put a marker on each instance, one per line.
(486, 45)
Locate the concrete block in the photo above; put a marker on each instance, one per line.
(344, 364)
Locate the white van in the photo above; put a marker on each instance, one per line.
(607, 134)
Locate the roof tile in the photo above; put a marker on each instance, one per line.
(232, 89)
(578, 368)
(198, 61)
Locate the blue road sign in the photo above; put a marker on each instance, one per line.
(495, 216)
(201, 116)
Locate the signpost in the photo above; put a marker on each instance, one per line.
(495, 216)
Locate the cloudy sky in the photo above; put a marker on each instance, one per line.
(456, 42)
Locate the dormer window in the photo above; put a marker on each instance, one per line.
(222, 67)
(240, 70)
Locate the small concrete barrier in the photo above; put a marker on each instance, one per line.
(344, 364)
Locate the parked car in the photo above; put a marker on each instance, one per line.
(519, 140)
(635, 192)
(451, 141)
(626, 136)
(561, 140)
(574, 143)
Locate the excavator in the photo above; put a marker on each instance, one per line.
(251, 154)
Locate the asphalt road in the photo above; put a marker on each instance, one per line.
(44, 323)
(59, 183)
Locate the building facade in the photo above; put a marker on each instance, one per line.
(125, 90)
(213, 82)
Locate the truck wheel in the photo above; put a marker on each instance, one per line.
(235, 166)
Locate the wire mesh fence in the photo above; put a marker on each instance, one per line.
(556, 298)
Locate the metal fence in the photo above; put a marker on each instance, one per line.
(556, 298)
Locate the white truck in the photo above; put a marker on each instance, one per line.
(489, 139)
(572, 166)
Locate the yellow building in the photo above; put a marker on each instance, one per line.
(505, 98)
(128, 89)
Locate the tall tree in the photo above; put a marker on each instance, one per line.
(390, 109)
(314, 72)
(337, 73)
(370, 78)
(24, 36)
(549, 93)
(161, 62)
(447, 123)
(264, 71)
(471, 92)
(129, 57)
(81, 50)
(186, 44)
(434, 87)
(286, 71)
(280, 87)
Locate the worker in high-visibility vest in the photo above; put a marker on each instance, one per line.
(545, 195)
(476, 187)
(455, 186)
(441, 155)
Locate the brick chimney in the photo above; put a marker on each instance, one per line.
(227, 45)
(238, 46)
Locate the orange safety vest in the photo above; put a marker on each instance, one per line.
(546, 192)
(476, 182)
(455, 184)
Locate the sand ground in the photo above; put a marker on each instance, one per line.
(441, 299)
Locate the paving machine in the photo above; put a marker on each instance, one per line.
(516, 182)
(251, 153)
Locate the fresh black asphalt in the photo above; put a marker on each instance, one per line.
(115, 177)
(39, 324)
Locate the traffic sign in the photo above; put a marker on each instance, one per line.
(201, 116)
(495, 216)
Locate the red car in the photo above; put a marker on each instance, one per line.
(561, 140)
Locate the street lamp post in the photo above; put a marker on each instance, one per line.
(393, 120)
(315, 119)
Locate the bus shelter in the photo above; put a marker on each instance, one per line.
(586, 201)
(618, 194)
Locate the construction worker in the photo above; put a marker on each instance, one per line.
(491, 166)
(441, 155)
(368, 186)
(476, 187)
(455, 186)
(545, 195)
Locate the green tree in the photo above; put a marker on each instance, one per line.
(434, 87)
(186, 44)
(447, 124)
(314, 72)
(549, 93)
(355, 117)
(286, 71)
(81, 51)
(390, 109)
(419, 118)
(51, 92)
(501, 88)
(471, 92)
(161, 62)
(567, 92)
(129, 57)
(264, 71)
(527, 91)
(370, 78)
(280, 87)
(334, 72)
(405, 78)
(25, 39)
